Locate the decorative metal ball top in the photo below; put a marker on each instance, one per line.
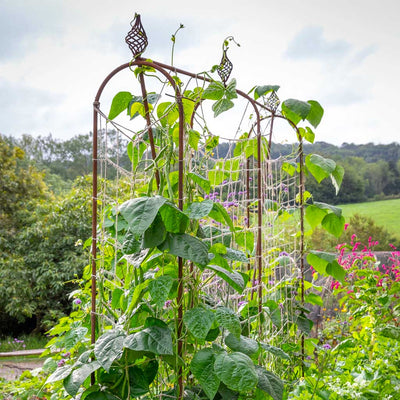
(136, 38)
(273, 101)
(225, 68)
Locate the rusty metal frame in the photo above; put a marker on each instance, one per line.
(166, 70)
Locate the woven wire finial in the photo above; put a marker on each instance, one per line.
(136, 38)
(225, 67)
(273, 101)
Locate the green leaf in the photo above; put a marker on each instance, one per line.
(320, 167)
(155, 234)
(235, 255)
(99, 395)
(135, 154)
(336, 270)
(119, 103)
(319, 260)
(220, 214)
(290, 167)
(109, 347)
(242, 344)
(295, 110)
(59, 373)
(230, 91)
(188, 108)
(228, 319)
(263, 90)
(141, 378)
(333, 224)
(234, 279)
(73, 382)
(212, 142)
(198, 210)
(304, 324)
(237, 371)
(390, 331)
(214, 91)
(130, 244)
(202, 367)
(199, 320)
(136, 109)
(313, 298)
(337, 178)
(270, 383)
(221, 106)
(186, 246)
(323, 206)
(159, 289)
(307, 134)
(154, 339)
(245, 239)
(216, 176)
(193, 139)
(276, 351)
(175, 220)
(315, 114)
(314, 215)
(141, 212)
(204, 183)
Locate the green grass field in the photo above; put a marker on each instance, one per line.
(385, 213)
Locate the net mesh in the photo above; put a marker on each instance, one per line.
(234, 170)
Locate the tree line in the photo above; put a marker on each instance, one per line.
(45, 213)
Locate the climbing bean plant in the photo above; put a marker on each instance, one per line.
(159, 335)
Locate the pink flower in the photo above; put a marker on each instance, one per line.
(346, 226)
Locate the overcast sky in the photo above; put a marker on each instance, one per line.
(54, 54)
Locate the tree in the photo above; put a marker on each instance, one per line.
(39, 259)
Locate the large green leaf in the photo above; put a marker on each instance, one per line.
(319, 260)
(295, 110)
(119, 103)
(186, 246)
(202, 367)
(159, 289)
(337, 178)
(201, 181)
(236, 370)
(314, 215)
(265, 89)
(130, 244)
(73, 382)
(323, 206)
(199, 209)
(336, 270)
(221, 105)
(333, 224)
(155, 234)
(230, 90)
(229, 320)
(141, 377)
(59, 373)
(276, 351)
(270, 383)
(109, 347)
(220, 214)
(243, 344)
(233, 278)
(154, 339)
(320, 167)
(304, 324)
(315, 114)
(199, 320)
(214, 91)
(174, 219)
(141, 212)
